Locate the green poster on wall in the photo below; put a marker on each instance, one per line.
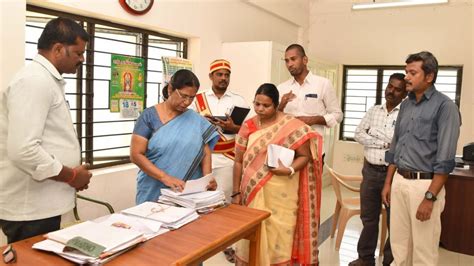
(127, 85)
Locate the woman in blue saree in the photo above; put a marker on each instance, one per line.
(171, 143)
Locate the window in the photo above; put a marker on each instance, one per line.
(105, 136)
(364, 86)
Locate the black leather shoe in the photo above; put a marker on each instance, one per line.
(229, 255)
(361, 262)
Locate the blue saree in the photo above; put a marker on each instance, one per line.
(177, 148)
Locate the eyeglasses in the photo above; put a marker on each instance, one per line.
(9, 255)
(158, 209)
(185, 97)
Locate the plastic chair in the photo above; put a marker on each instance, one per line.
(348, 207)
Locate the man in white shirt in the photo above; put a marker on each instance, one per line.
(310, 98)
(375, 132)
(217, 102)
(40, 156)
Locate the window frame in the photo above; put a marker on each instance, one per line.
(87, 90)
(380, 90)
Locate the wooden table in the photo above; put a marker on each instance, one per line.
(191, 244)
(457, 219)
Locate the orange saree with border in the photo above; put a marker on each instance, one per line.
(298, 195)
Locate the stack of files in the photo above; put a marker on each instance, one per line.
(171, 217)
(108, 240)
(149, 228)
(198, 200)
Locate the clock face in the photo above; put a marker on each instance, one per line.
(137, 7)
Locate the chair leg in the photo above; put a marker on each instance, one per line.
(383, 234)
(344, 217)
(335, 218)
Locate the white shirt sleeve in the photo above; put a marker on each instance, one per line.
(27, 114)
(334, 113)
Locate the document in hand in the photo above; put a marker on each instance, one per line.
(238, 114)
(277, 152)
(197, 185)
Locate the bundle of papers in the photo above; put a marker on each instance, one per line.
(279, 153)
(149, 228)
(108, 236)
(92, 242)
(198, 201)
(195, 195)
(171, 217)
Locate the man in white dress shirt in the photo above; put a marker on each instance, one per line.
(40, 155)
(310, 98)
(375, 132)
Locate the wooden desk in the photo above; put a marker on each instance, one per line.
(191, 244)
(457, 219)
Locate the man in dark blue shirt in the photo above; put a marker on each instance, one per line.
(421, 156)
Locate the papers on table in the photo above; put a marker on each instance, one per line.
(200, 201)
(58, 248)
(197, 185)
(112, 235)
(170, 216)
(277, 152)
(114, 239)
(194, 195)
(105, 235)
(149, 228)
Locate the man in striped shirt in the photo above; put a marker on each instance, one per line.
(375, 132)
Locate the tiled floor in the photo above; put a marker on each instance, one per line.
(348, 251)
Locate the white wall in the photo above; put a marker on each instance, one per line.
(12, 54)
(206, 23)
(386, 37)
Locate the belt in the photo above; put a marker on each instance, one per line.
(381, 167)
(415, 175)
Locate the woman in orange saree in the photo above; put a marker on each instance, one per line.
(291, 194)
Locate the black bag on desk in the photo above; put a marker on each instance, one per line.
(468, 152)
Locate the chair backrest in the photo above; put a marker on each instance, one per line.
(338, 179)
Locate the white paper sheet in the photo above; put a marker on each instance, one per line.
(197, 185)
(159, 212)
(108, 236)
(277, 152)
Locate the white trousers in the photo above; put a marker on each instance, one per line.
(414, 242)
(224, 180)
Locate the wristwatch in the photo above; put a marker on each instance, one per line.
(430, 196)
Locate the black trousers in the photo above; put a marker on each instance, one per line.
(19, 230)
(371, 206)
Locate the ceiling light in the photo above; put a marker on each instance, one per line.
(398, 3)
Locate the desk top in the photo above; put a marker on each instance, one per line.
(191, 243)
(467, 173)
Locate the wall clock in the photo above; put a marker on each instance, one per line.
(136, 7)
